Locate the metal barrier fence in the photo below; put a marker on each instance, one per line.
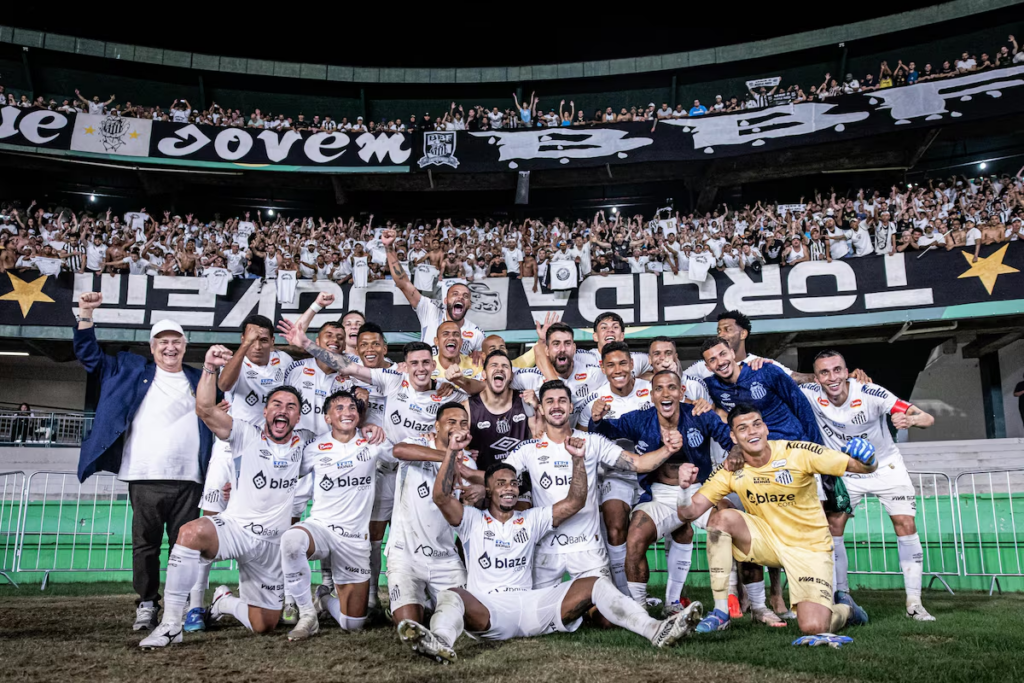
(987, 518)
(51, 523)
(44, 429)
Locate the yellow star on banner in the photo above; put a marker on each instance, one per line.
(133, 135)
(26, 293)
(90, 130)
(988, 269)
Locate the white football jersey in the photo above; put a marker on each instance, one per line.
(407, 412)
(641, 362)
(315, 386)
(863, 415)
(261, 499)
(699, 370)
(432, 312)
(248, 397)
(583, 382)
(550, 468)
(499, 557)
(418, 529)
(343, 484)
(638, 399)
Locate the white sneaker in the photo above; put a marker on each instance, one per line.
(145, 617)
(678, 626)
(162, 636)
(307, 627)
(215, 613)
(290, 613)
(917, 612)
(425, 643)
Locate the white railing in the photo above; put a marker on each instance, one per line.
(43, 429)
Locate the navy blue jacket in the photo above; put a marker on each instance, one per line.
(124, 380)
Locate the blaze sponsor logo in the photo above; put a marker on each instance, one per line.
(643, 392)
(778, 499)
(856, 403)
(308, 371)
(423, 490)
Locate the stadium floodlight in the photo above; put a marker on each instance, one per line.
(92, 198)
(14, 353)
(615, 209)
(270, 212)
(982, 165)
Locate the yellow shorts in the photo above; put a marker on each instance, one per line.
(809, 571)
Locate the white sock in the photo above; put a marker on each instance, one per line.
(450, 616)
(755, 593)
(237, 608)
(638, 591)
(374, 573)
(912, 563)
(617, 556)
(622, 611)
(182, 570)
(346, 622)
(326, 577)
(197, 596)
(294, 547)
(679, 558)
(722, 606)
(842, 565)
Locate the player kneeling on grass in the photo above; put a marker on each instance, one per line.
(500, 602)
(344, 466)
(784, 525)
(250, 529)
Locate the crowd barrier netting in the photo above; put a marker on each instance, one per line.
(50, 523)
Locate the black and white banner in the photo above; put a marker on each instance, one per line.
(158, 141)
(967, 98)
(948, 283)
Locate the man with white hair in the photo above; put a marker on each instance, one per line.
(147, 433)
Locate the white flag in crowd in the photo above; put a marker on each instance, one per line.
(111, 135)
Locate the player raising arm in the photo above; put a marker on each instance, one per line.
(784, 525)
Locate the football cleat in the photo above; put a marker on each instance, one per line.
(290, 613)
(215, 614)
(676, 606)
(735, 611)
(145, 617)
(677, 626)
(195, 620)
(307, 627)
(858, 617)
(823, 639)
(162, 636)
(917, 612)
(716, 620)
(424, 642)
(767, 617)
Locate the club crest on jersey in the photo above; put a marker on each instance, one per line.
(758, 391)
(363, 455)
(694, 437)
(643, 392)
(308, 371)
(860, 418)
(522, 536)
(503, 426)
(783, 477)
(856, 403)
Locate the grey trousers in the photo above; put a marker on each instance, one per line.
(156, 506)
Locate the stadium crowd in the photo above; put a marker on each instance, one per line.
(955, 212)
(530, 113)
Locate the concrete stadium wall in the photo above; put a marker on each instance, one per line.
(1011, 366)
(41, 383)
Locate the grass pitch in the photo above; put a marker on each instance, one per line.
(83, 632)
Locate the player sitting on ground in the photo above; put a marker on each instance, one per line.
(851, 406)
(784, 525)
(259, 511)
(344, 467)
(499, 602)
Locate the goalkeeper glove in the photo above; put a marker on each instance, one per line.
(860, 449)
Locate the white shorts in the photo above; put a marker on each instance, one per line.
(349, 553)
(416, 581)
(614, 488)
(260, 576)
(663, 512)
(220, 471)
(384, 494)
(524, 614)
(890, 483)
(548, 568)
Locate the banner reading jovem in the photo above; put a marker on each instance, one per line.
(948, 284)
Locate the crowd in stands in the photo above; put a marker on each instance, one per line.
(956, 212)
(530, 113)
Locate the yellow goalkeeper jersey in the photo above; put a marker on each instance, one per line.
(783, 492)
